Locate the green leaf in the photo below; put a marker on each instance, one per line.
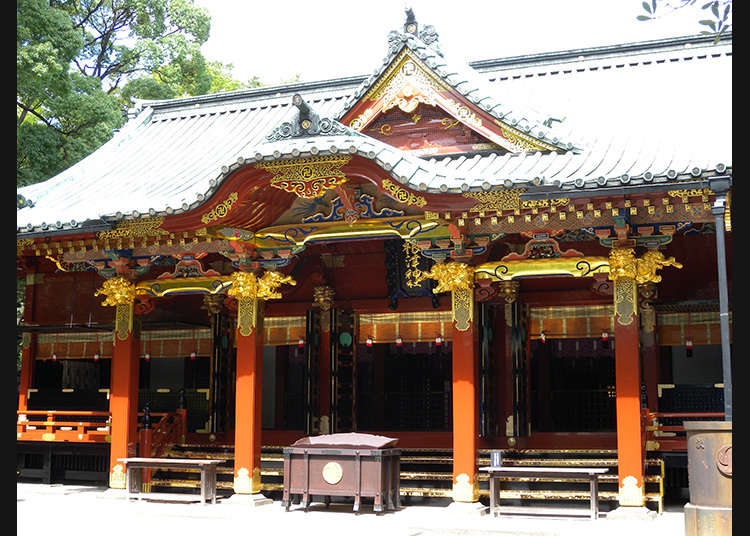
(643, 17)
(708, 23)
(715, 9)
(647, 7)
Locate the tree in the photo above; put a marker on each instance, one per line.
(74, 56)
(719, 11)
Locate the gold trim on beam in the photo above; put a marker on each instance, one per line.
(187, 285)
(570, 266)
(301, 234)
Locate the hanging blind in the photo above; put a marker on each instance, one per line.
(571, 322)
(78, 345)
(673, 329)
(411, 327)
(176, 342)
(283, 330)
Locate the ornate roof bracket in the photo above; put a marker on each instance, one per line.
(307, 123)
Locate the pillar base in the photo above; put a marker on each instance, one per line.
(251, 500)
(631, 513)
(467, 508)
(707, 520)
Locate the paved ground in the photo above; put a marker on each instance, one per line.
(62, 510)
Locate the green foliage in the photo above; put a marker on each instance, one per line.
(79, 64)
(719, 11)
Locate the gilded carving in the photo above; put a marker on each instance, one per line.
(117, 477)
(463, 113)
(647, 292)
(133, 229)
(402, 195)
(220, 210)
(651, 261)
(118, 291)
(623, 270)
(308, 177)
(458, 279)
(323, 297)
(412, 255)
(497, 200)
(524, 142)
(690, 192)
(248, 290)
(404, 69)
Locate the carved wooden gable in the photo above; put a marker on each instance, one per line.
(412, 107)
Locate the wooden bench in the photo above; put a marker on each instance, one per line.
(592, 473)
(133, 476)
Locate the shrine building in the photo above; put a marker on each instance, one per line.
(528, 254)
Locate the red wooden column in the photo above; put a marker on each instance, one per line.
(465, 483)
(630, 438)
(28, 342)
(123, 395)
(250, 291)
(628, 272)
(458, 278)
(248, 398)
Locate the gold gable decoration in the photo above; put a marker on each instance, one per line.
(308, 177)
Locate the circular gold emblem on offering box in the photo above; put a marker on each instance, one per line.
(332, 473)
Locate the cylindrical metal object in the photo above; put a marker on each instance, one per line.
(709, 446)
(496, 458)
(726, 361)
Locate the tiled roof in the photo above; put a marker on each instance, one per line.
(640, 113)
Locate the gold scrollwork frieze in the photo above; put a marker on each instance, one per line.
(134, 228)
(497, 200)
(684, 194)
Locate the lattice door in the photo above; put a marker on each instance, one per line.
(343, 371)
(312, 372)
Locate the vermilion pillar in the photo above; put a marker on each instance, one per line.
(465, 484)
(458, 278)
(250, 291)
(630, 440)
(28, 342)
(248, 397)
(123, 395)
(628, 272)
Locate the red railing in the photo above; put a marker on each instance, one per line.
(63, 425)
(672, 437)
(168, 430)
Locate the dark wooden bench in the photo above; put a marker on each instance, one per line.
(133, 476)
(495, 473)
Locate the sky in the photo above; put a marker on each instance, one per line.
(323, 39)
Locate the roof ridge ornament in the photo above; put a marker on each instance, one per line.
(307, 123)
(427, 34)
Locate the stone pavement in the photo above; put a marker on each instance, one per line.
(63, 510)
